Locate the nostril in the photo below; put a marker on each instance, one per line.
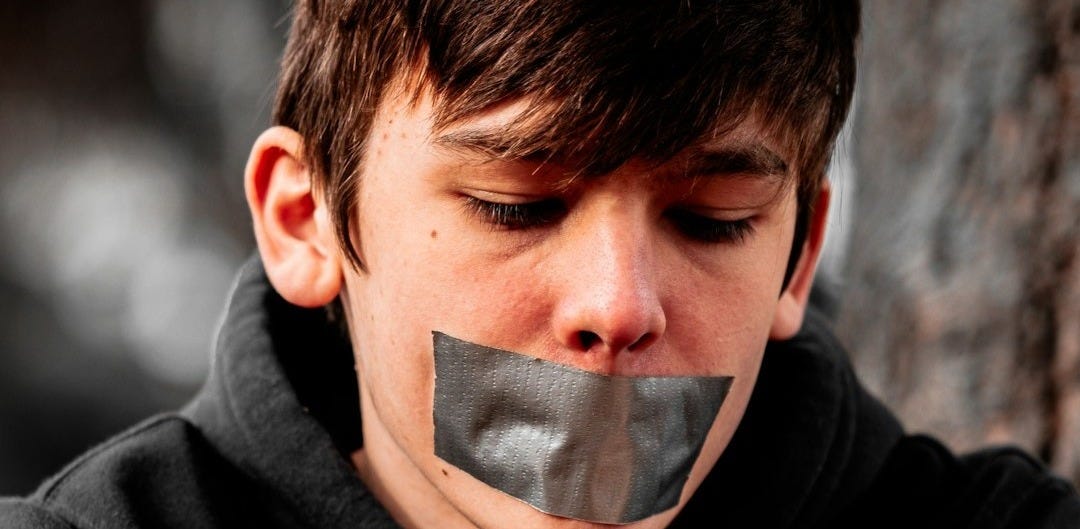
(587, 339)
(643, 342)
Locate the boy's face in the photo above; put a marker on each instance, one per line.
(641, 271)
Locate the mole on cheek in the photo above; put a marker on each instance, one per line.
(434, 234)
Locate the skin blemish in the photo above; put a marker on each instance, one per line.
(434, 234)
(444, 472)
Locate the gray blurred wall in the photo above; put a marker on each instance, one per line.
(125, 125)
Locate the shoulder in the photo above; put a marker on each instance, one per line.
(160, 473)
(18, 513)
(1008, 485)
(925, 485)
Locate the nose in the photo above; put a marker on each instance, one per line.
(609, 300)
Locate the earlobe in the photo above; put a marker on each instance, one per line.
(792, 305)
(291, 225)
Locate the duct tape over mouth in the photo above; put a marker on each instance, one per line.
(569, 442)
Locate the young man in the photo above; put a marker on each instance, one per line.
(567, 248)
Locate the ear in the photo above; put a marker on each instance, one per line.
(295, 239)
(792, 306)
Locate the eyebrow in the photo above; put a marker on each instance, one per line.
(492, 143)
(737, 158)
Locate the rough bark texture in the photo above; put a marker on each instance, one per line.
(962, 282)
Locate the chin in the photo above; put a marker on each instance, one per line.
(505, 511)
(540, 520)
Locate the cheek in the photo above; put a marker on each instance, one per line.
(722, 332)
(506, 308)
(726, 305)
(395, 362)
(418, 283)
(393, 307)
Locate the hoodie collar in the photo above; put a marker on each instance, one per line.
(267, 351)
(811, 441)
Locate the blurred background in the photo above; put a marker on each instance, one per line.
(124, 129)
(125, 125)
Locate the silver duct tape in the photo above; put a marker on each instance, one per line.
(572, 443)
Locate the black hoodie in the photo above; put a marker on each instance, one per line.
(265, 445)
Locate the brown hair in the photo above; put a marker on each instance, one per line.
(610, 80)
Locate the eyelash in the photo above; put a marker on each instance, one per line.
(545, 212)
(709, 230)
(517, 216)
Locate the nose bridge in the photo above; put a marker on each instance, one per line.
(612, 302)
(622, 262)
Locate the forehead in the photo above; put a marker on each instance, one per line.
(520, 131)
(597, 126)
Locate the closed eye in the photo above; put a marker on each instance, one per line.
(517, 216)
(709, 230)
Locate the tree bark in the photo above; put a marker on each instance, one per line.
(961, 298)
